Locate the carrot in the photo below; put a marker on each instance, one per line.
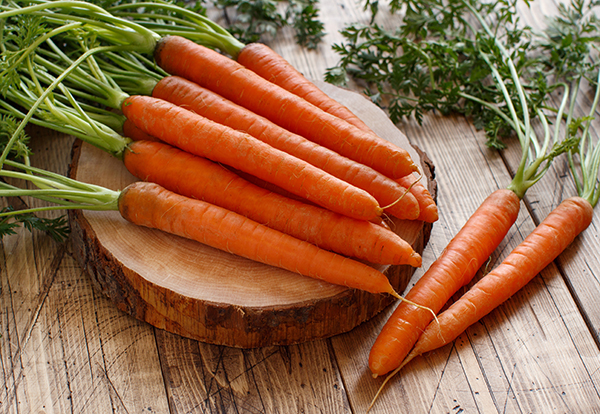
(206, 103)
(553, 235)
(136, 134)
(271, 66)
(455, 267)
(199, 178)
(200, 136)
(428, 210)
(481, 234)
(150, 205)
(133, 132)
(222, 75)
(255, 56)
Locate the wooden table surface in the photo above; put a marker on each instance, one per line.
(65, 348)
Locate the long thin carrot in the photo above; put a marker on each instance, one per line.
(484, 231)
(199, 178)
(257, 57)
(200, 136)
(270, 65)
(455, 267)
(133, 132)
(540, 248)
(206, 103)
(148, 204)
(231, 80)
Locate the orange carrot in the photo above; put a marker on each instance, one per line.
(199, 178)
(271, 66)
(553, 235)
(380, 221)
(428, 210)
(136, 134)
(210, 69)
(200, 136)
(206, 103)
(150, 205)
(455, 267)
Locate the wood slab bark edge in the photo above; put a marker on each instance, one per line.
(224, 322)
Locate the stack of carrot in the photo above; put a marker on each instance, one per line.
(345, 177)
(214, 121)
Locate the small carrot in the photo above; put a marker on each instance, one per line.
(549, 239)
(455, 267)
(428, 210)
(199, 178)
(208, 104)
(222, 75)
(271, 66)
(200, 136)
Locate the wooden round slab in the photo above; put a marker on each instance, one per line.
(205, 294)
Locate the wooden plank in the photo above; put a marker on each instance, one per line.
(64, 347)
(581, 275)
(29, 268)
(75, 352)
(501, 364)
(298, 378)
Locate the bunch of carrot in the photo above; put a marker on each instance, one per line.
(343, 178)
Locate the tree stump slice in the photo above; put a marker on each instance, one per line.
(198, 292)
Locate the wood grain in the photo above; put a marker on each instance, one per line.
(210, 295)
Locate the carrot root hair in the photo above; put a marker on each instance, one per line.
(407, 191)
(388, 378)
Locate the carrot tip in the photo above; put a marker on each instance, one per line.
(395, 294)
(415, 260)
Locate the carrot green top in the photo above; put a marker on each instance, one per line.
(537, 154)
(584, 160)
